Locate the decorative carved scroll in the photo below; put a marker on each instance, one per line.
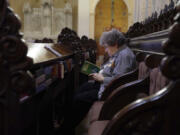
(14, 63)
(171, 64)
(157, 114)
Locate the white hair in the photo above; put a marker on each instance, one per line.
(111, 38)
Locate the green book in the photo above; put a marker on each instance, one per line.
(89, 68)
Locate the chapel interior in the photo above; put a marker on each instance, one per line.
(44, 45)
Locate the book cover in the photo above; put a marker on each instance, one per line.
(89, 68)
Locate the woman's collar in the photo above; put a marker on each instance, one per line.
(120, 49)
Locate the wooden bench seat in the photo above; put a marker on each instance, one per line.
(157, 114)
(123, 94)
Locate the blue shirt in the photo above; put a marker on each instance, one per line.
(121, 62)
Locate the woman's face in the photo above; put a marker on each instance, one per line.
(110, 50)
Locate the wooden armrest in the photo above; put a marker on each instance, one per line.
(123, 96)
(118, 81)
(152, 114)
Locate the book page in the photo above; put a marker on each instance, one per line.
(58, 54)
(89, 68)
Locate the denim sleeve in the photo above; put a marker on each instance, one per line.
(123, 64)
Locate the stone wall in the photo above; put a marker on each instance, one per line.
(17, 5)
(46, 20)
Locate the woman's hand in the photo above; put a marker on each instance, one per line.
(97, 77)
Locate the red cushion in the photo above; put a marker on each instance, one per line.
(143, 70)
(161, 81)
(153, 76)
(95, 111)
(157, 81)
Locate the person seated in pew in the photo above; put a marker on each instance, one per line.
(122, 60)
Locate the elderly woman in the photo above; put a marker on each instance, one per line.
(122, 60)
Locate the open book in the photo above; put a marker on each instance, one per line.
(57, 53)
(89, 68)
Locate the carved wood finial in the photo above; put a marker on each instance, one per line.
(13, 51)
(14, 63)
(171, 64)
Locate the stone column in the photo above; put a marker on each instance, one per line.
(68, 15)
(135, 10)
(142, 7)
(147, 9)
(150, 7)
(27, 18)
(91, 25)
(47, 20)
(83, 17)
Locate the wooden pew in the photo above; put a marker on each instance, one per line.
(124, 94)
(40, 107)
(154, 23)
(23, 110)
(146, 45)
(128, 77)
(158, 113)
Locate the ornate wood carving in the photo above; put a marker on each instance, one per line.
(14, 63)
(157, 114)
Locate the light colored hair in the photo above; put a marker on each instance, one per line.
(111, 38)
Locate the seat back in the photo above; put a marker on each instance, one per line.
(143, 70)
(157, 81)
(161, 81)
(157, 114)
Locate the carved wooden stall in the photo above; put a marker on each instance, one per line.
(35, 78)
(30, 96)
(13, 66)
(154, 23)
(157, 114)
(127, 88)
(52, 80)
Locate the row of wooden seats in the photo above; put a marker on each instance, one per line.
(127, 111)
(138, 86)
(53, 104)
(154, 23)
(34, 115)
(155, 114)
(69, 38)
(122, 96)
